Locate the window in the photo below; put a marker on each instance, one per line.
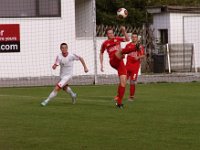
(163, 36)
(83, 18)
(49, 7)
(30, 8)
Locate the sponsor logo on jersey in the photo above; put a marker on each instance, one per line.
(132, 54)
(114, 48)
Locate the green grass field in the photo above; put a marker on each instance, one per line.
(163, 116)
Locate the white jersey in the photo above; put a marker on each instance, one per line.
(66, 63)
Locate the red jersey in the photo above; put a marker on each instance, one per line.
(131, 56)
(112, 45)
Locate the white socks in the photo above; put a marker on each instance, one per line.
(51, 96)
(69, 90)
(54, 94)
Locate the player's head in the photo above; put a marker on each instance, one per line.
(110, 33)
(64, 48)
(134, 37)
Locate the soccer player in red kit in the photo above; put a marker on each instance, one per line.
(116, 55)
(133, 63)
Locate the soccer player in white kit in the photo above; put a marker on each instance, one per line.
(66, 62)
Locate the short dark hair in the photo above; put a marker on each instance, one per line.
(108, 29)
(135, 33)
(63, 44)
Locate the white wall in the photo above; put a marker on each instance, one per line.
(192, 35)
(179, 27)
(176, 27)
(84, 18)
(160, 21)
(171, 21)
(40, 39)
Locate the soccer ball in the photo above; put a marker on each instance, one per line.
(122, 13)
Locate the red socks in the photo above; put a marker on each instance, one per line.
(132, 90)
(121, 91)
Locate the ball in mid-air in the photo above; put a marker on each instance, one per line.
(122, 13)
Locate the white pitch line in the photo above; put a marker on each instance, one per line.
(34, 97)
(20, 96)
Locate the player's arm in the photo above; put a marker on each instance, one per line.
(101, 61)
(101, 56)
(141, 53)
(57, 62)
(84, 64)
(141, 56)
(123, 30)
(54, 66)
(128, 48)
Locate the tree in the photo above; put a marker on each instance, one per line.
(106, 10)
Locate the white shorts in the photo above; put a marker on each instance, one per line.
(64, 80)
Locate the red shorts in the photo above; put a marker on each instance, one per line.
(132, 71)
(118, 64)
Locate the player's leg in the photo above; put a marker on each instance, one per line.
(122, 72)
(128, 50)
(118, 64)
(121, 90)
(132, 90)
(133, 81)
(119, 55)
(68, 90)
(51, 95)
(116, 98)
(127, 77)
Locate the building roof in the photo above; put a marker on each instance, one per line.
(174, 9)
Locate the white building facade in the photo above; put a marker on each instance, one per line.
(178, 25)
(40, 37)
